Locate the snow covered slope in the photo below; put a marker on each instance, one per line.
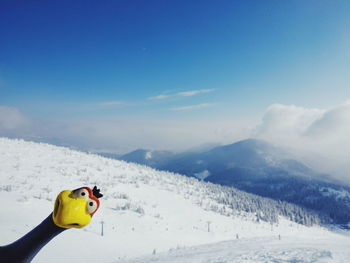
(259, 250)
(257, 167)
(144, 211)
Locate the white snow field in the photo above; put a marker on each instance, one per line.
(148, 215)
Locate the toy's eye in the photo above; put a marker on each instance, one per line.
(91, 206)
(82, 192)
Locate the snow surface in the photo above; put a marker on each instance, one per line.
(148, 155)
(266, 249)
(149, 216)
(202, 175)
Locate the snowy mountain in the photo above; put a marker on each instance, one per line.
(154, 158)
(258, 167)
(147, 157)
(144, 211)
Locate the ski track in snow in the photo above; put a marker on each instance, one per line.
(145, 212)
(252, 251)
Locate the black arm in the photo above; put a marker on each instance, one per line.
(24, 249)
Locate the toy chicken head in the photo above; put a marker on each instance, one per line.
(75, 208)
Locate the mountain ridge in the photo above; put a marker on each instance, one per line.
(261, 168)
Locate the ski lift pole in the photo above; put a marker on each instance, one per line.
(102, 223)
(208, 222)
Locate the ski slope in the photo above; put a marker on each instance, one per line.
(148, 216)
(254, 250)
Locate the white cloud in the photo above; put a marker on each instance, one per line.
(193, 92)
(319, 136)
(159, 97)
(122, 134)
(335, 122)
(11, 119)
(181, 94)
(192, 107)
(281, 121)
(109, 103)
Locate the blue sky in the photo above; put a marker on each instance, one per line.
(169, 63)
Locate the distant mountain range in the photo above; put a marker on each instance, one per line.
(257, 167)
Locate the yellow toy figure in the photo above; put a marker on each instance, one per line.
(73, 208)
